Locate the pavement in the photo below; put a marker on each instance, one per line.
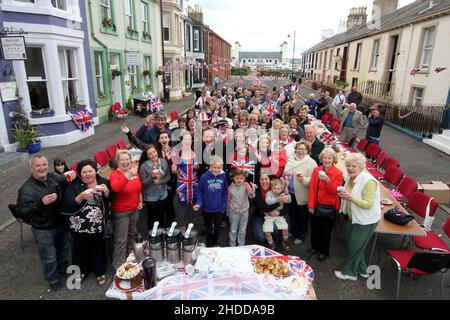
(21, 274)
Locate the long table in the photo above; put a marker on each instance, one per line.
(412, 229)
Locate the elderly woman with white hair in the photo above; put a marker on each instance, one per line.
(361, 202)
(323, 202)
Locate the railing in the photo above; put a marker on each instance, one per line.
(377, 90)
(423, 120)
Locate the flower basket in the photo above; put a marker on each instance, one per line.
(146, 73)
(116, 73)
(159, 73)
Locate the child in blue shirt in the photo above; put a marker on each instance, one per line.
(212, 198)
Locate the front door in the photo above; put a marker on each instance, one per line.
(116, 84)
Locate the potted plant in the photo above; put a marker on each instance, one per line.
(116, 73)
(28, 138)
(146, 73)
(131, 31)
(146, 35)
(159, 73)
(107, 22)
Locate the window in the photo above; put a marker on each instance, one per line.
(428, 41)
(144, 17)
(147, 78)
(375, 54)
(417, 96)
(99, 75)
(196, 40)
(105, 10)
(188, 37)
(358, 56)
(59, 4)
(133, 77)
(129, 14)
(177, 21)
(69, 77)
(331, 59)
(168, 75)
(36, 79)
(166, 26)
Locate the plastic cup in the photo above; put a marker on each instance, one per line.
(340, 189)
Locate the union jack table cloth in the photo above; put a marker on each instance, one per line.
(227, 284)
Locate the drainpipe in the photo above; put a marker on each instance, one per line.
(162, 49)
(98, 41)
(407, 63)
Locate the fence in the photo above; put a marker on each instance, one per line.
(423, 120)
(377, 90)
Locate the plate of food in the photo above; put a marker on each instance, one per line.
(387, 202)
(128, 277)
(272, 266)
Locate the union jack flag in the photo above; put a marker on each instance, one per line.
(213, 286)
(270, 108)
(328, 138)
(440, 69)
(281, 99)
(414, 72)
(186, 183)
(157, 105)
(248, 167)
(83, 119)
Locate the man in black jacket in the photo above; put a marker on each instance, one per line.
(39, 200)
(376, 122)
(149, 135)
(354, 97)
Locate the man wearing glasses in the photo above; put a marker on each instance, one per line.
(376, 122)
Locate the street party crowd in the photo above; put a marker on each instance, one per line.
(247, 158)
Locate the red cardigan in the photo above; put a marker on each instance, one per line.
(126, 192)
(327, 194)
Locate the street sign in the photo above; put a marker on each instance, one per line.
(13, 48)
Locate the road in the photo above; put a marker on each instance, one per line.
(22, 277)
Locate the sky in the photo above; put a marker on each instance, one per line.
(263, 25)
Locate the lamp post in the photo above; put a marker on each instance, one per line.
(163, 77)
(293, 55)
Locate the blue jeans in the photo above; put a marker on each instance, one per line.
(53, 246)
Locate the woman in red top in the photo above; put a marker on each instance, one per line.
(323, 190)
(127, 187)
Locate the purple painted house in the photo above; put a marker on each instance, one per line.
(56, 79)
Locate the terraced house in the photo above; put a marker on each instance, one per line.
(397, 56)
(125, 39)
(54, 77)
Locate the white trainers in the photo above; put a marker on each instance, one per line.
(297, 241)
(342, 276)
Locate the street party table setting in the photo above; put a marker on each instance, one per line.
(389, 197)
(172, 265)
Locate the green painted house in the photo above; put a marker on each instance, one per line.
(125, 39)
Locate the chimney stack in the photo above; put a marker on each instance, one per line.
(382, 8)
(357, 17)
(196, 13)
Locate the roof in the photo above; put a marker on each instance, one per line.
(261, 55)
(407, 14)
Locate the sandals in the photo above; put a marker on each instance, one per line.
(101, 280)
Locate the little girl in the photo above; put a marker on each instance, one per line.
(238, 205)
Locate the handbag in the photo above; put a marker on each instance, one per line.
(397, 217)
(323, 211)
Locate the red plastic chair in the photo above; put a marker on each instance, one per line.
(419, 263)
(336, 127)
(111, 150)
(373, 151)
(390, 162)
(382, 158)
(419, 202)
(433, 241)
(325, 119)
(334, 121)
(362, 145)
(121, 144)
(102, 158)
(407, 187)
(393, 175)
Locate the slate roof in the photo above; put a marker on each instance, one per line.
(407, 14)
(261, 55)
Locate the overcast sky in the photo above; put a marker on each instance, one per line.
(262, 25)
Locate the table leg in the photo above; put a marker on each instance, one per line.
(373, 247)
